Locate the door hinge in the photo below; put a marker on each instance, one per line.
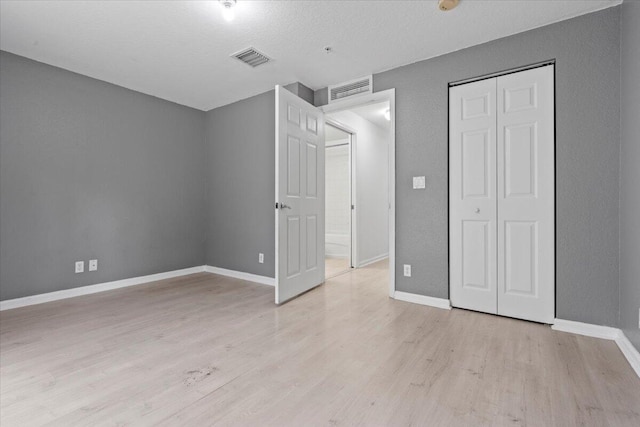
(353, 207)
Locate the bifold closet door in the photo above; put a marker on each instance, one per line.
(526, 195)
(472, 196)
(501, 195)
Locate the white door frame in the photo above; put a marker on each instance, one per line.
(353, 230)
(390, 96)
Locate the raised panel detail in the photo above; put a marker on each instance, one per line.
(520, 160)
(475, 164)
(473, 108)
(312, 168)
(312, 241)
(293, 245)
(475, 255)
(293, 114)
(521, 257)
(293, 166)
(519, 99)
(312, 124)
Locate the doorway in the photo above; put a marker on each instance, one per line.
(357, 188)
(300, 190)
(339, 230)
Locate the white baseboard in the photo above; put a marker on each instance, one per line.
(587, 329)
(373, 260)
(92, 289)
(422, 299)
(605, 332)
(629, 351)
(270, 281)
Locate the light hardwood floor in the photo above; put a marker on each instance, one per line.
(205, 349)
(335, 266)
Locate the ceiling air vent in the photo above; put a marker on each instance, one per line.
(359, 86)
(251, 57)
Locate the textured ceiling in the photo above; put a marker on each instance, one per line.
(179, 50)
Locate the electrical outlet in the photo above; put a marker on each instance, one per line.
(79, 266)
(261, 258)
(407, 270)
(93, 264)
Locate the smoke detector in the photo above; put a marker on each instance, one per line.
(446, 5)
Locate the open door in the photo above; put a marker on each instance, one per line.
(299, 196)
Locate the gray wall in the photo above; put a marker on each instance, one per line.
(241, 185)
(302, 91)
(587, 158)
(93, 170)
(587, 162)
(630, 172)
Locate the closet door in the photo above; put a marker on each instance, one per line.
(472, 196)
(526, 249)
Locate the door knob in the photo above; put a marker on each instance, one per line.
(477, 210)
(283, 206)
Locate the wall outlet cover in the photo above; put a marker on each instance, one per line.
(407, 270)
(79, 266)
(93, 264)
(261, 258)
(419, 182)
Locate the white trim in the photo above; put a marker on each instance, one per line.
(604, 332)
(276, 258)
(422, 299)
(92, 289)
(629, 351)
(356, 101)
(373, 260)
(586, 329)
(263, 280)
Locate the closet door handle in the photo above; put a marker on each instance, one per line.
(477, 210)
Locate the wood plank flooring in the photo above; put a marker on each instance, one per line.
(209, 350)
(335, 266)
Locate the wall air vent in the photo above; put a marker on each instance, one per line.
(361, 86)
(251, 57)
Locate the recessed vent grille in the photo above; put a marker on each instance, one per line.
(351, 88)
(251, 57)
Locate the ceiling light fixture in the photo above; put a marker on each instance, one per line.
(387, 114)
(227, 9)
(445, 5)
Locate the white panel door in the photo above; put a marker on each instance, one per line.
(526, 248)
(299, 196)
(472, 196)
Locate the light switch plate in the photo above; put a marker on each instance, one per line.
(93, 264)
(419, 182)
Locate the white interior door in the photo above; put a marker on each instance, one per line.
(526, 194)
(299, 196)
(472, 196)
(502, 195)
